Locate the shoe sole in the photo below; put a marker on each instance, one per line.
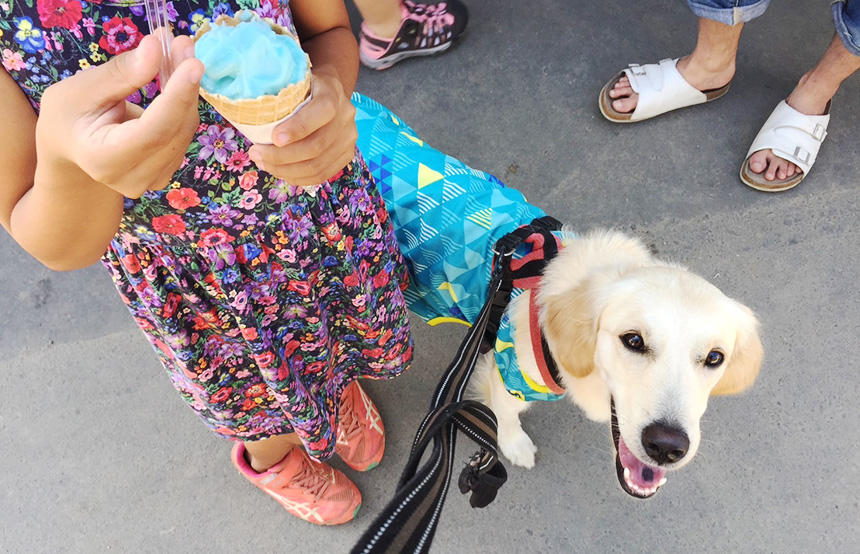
(758, 182)
(604, 102)
(387, 62)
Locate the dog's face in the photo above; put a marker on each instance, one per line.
(662, 340)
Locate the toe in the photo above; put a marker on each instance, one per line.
(618, 91)
(758, 161)
(625, 105)
(772, 165)
(792, 170)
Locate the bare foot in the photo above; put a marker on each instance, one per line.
(808, 98)
(699, 76)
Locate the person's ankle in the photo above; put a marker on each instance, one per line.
(811, 95)
(385, 29)
(706, 73)
(261, 464)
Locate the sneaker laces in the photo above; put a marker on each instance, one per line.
(311, 479)
(348, 423)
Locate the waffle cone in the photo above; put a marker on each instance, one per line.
(263, 109)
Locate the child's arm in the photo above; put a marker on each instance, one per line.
(66, 172)
(320, 139)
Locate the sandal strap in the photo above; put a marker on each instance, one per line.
(791, 135)
(661, 88)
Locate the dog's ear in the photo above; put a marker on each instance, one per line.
(745, 361)
(570, 325)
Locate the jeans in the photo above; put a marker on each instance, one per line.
(846, 16)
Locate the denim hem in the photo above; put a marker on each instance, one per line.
(850, 37)
(731, 15)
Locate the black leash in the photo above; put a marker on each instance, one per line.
(408, 523)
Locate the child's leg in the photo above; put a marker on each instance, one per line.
(263, 454)
(382, 17)
(394, 30)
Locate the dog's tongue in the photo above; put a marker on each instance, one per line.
(643, 476)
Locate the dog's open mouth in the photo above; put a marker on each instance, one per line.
(636, 478)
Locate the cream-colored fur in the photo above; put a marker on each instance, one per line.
(600, 287)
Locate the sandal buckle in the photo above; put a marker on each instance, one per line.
(798, 152)
(819, 132)
(637, 69)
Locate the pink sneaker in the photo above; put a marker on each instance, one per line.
(360, 433)
(425, 29)
(308, 489)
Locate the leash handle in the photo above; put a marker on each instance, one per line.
(408, 523)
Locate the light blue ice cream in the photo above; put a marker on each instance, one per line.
(249, 60)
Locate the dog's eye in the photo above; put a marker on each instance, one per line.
(633, 341)
(714, 358)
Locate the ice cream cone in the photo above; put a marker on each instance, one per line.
(256, 117)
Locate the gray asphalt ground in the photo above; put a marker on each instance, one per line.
(99, 453)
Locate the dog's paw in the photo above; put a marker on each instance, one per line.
(518, 448)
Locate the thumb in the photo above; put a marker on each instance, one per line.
(120, 76)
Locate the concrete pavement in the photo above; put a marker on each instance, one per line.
(100, 454)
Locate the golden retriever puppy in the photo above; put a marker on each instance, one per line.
(638, 342)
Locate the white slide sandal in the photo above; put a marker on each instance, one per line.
(661, 88)
(792, 136)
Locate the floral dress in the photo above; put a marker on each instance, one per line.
(263, 301)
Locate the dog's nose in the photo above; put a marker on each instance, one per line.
(664, 443)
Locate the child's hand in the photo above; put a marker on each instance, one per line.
(86, 121)
(315, 143)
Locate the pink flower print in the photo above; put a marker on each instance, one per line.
(240, 302)
(89, 25)
(359, 301)
(267, 319)
(248, 180)
(287, 255)
(208, 373)
(150, 272)
(238, 161)
(57, 44)
(76, 30)
(198, 172)
(13, 61)
(250, 199)
(217, 141)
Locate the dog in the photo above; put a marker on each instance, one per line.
(638, 343)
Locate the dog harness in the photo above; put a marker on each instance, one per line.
(447, 217)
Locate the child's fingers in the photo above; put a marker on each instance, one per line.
(112, 81)
(162, 121)
(181, 49)
(308, 148)
(315, 114)
(314, 171)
